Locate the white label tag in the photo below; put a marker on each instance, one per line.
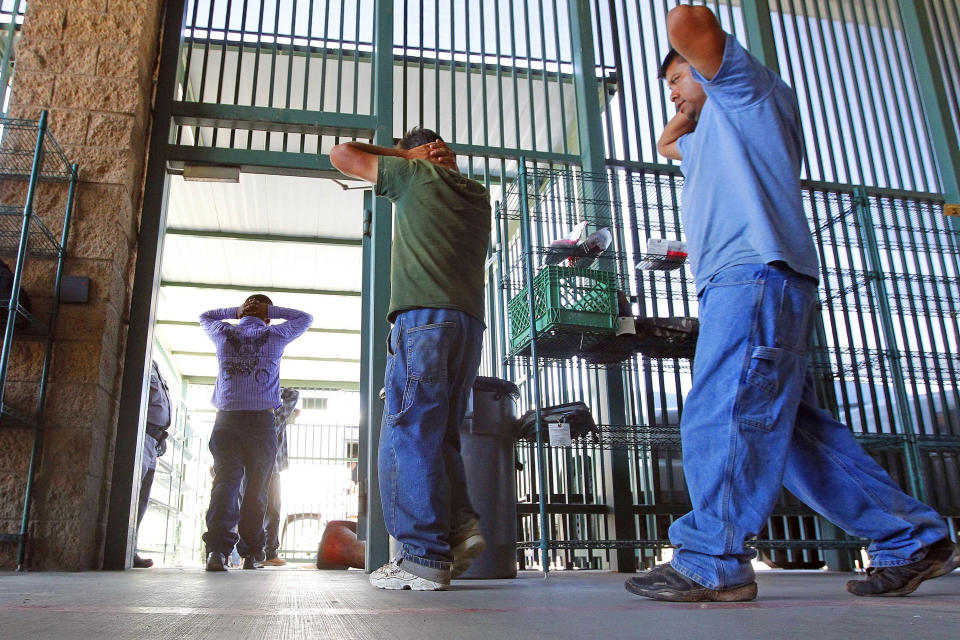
(627, 326)
(560, 434)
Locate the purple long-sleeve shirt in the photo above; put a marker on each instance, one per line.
(249, 355)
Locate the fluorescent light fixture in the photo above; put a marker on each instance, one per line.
(210, 173)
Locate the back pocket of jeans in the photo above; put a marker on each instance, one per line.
(759, 389)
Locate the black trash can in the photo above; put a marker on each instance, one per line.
(487, 436)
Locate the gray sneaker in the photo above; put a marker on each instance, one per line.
(466, 544)
(393, 576)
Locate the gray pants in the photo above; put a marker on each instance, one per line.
(148, 466)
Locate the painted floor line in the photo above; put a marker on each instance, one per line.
(949, 604)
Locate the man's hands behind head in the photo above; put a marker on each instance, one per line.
(253, 308)
(436, 152)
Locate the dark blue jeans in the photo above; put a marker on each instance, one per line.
(432, 362)
(244, 448)
(751, 425)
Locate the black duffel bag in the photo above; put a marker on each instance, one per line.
(576, 414)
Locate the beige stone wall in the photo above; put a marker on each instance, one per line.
(91, 64)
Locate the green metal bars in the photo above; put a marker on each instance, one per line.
(274, 75)
(944, 18)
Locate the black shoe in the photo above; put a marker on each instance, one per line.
(216, 561)
(141, 563)
(663, 582)
(940, 558)
(249, 563)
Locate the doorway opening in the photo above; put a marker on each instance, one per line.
(298, 240)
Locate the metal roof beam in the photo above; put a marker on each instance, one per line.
(432, 61)
(311, 165)
(245, 287)
(263, 237)
(205, 114)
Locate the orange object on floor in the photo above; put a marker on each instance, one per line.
(339, 547)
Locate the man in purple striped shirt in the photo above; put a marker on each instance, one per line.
(244, 438)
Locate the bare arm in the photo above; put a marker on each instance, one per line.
(697, 36)
(359, 159)
(678, 126)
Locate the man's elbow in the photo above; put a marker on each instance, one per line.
(669, 150)
(687, 21)
(340, 157)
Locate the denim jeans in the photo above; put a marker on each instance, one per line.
(751, 425)
(432, 361)
(271, 523)
(244, 448)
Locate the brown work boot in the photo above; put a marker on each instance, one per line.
(663, 582)
(466, 544)
(940, 559)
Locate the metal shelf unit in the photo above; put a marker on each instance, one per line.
(30, 154)
(543, 204)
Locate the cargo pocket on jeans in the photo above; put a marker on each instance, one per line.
(759, 389)
(394, 377)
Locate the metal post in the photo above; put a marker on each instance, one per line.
(367, 384)
(590, 131)
(7, 54)
(378, 545)
(861, 204)
(525, 239)
(45, 371)
(125, 479)
(496, 286)
(756, 18)
(22, 251)
(918, 31)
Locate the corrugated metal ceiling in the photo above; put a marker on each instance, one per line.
(264, 206)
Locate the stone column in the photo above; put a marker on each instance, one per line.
(91, 63)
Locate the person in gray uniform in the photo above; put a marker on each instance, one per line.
(154, 446)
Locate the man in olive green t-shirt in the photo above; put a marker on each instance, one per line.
(441, 235)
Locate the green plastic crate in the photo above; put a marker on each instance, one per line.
(565, 300)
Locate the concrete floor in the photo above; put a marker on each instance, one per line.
(300, 603)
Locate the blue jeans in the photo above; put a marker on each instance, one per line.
(244, 448)
(751, 425)
(432, 361)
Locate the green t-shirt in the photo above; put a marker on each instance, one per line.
(440, 236)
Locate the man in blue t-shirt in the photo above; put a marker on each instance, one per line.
(751, 424)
